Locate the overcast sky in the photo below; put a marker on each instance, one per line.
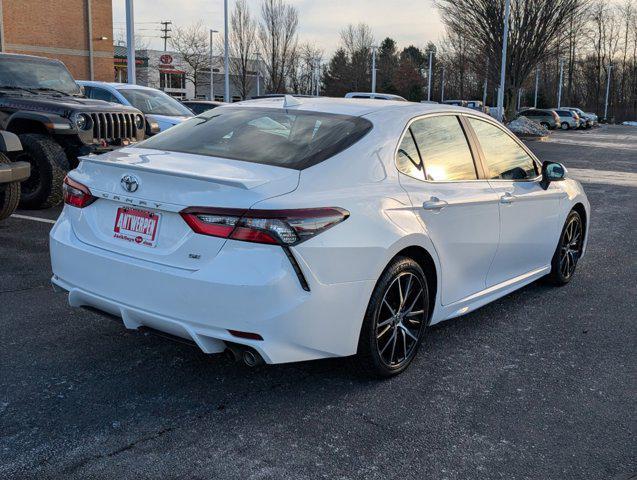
(407, 21)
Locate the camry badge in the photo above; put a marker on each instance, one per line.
(129, 183)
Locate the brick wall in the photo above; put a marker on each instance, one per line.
(59, 29)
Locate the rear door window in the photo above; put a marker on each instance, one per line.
(285, 138)
(444, 149)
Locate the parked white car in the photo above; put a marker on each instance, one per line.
(158, 107)
(330, 227)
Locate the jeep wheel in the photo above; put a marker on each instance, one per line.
(9, 194)
(43, 189)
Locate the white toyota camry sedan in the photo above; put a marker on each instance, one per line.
(289, 229)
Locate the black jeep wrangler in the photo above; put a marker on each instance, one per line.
(41, 103)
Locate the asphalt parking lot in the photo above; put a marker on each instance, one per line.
(538, 385)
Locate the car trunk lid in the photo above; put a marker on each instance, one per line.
(140, 193)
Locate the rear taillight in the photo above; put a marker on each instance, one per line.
(76, 194)
(278, 227)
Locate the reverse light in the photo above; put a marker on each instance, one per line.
(277, 227)
(76, 194)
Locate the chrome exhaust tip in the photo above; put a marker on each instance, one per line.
(251, 358)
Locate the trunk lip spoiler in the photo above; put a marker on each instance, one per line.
(242, 183)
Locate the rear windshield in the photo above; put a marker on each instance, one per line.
(284, 138)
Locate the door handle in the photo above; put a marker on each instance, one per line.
(434, 203)
(507, 198)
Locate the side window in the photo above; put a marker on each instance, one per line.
(101, 94)
(504, 157)
(408, 159)
(444, 149)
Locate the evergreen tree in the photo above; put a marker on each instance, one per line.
(337, 77)
(386, 66)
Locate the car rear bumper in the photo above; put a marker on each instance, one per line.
(14, 172)
(246, 287)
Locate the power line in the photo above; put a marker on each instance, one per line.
(165, 31)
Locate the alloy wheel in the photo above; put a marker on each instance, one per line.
(400, 320)
(571, 246)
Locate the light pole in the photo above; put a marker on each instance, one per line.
(537, 80)
(258, 74)
(429, 77)
(318, 77)
(610, 67)
(486, 81)
(519, 98)
(212, 73)
(374, 69)
(130, 41)
(559, 89)
(503, 64)
(226, 60)
(442, 86)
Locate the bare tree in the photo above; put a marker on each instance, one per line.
(357, 37)
(305, 73)
(243, 43)
(534, 31)
(278, 41)
(191, 43)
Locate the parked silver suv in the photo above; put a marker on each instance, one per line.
(547, 118)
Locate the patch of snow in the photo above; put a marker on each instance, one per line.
(523, 126)
(630, 123)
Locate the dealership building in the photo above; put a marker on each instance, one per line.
(77, 32)
(166, 70)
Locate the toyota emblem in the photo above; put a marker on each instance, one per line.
(129, 183)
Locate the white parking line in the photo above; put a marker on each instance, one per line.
(35, 219)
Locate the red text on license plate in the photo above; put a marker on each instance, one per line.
(136, 226)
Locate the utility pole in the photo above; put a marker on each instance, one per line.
(258, 74)
(486, 82)
(212, 73)
(374, 69)
(610, 67)
(442, 86)
(165, 31)
(130, 41)
(519, 98)
(429, 77)
(226, 60)
(559, 89)
(503, 64)
(537, 80)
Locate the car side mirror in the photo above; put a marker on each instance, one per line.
(552, 172)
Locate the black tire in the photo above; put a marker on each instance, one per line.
(373, 357)
(568, 250)
(545, 125)
(9, 194)
(49, 165)
(565, 126)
